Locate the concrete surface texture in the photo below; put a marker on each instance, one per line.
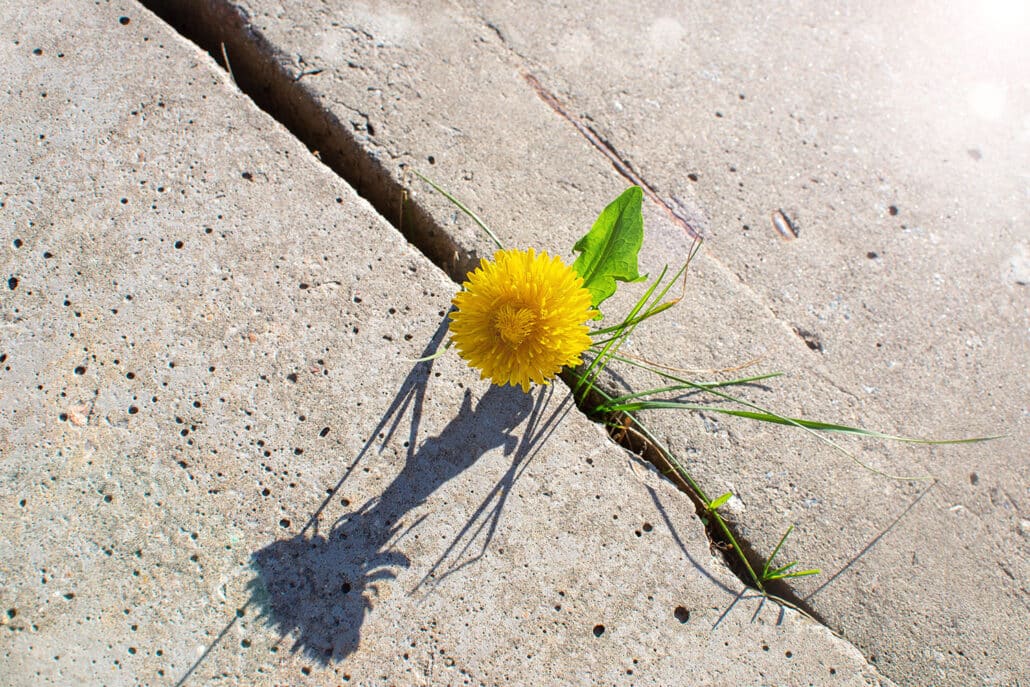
(219, 463)
(860, 175)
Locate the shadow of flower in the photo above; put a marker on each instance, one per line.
(318, 588)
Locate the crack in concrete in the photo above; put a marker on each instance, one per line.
(261, 72)
(622, 165)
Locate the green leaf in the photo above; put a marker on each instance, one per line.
(791, 575)
(714, 505)
(609, 250)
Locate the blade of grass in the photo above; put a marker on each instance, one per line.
(798, 573)
(599, 362)
(844, 429)
(766, 574)
(784, 420)
(776, 550)
(473, 216)
(698, 386)
(623, 328)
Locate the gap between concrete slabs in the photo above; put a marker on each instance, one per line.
(391, 72)
(259, 73)
(203, 372)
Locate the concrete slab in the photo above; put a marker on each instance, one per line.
(908, 268)
(219, 464)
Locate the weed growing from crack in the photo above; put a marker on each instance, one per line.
(608, 254)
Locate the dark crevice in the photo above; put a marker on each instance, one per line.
(811, 339)
(622, 430)
(262, 73)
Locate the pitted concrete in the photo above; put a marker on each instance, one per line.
(220, 464)
(901, 296)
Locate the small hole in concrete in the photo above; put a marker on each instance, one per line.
(124, 21)
(598, 630)
(681, 614)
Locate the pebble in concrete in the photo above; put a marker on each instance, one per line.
(219, 464)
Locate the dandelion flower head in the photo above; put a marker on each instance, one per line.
(521, 318)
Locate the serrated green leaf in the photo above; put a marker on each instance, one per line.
(609, 250)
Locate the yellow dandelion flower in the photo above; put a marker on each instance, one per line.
(521, 318)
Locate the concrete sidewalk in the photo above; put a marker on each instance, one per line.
(861, 177)
(219, 463)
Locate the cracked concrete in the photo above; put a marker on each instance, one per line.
(880, 136)
(219, 463)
